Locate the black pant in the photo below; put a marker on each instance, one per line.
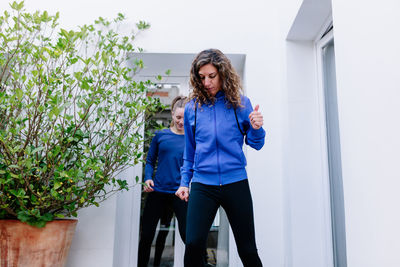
(155, 206)
(204, 202)
(165, 222)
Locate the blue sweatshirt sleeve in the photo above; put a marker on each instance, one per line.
(190, 146)
(151, 159)
(254, 138)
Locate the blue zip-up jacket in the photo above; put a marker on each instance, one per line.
(216, 156)
(166, 150)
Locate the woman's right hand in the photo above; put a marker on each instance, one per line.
(183, 193)
(148, 186)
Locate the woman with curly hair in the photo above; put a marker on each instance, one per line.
(217, 120)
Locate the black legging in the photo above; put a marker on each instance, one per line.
(165, 221)
(204, 201)
(153, 210)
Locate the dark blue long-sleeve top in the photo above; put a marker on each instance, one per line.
(166, 150)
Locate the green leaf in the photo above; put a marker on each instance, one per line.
(38, 224)
(47, 217)
(21, 5)
(21, 192)
(34, 218)
(23, 216)
(14, 166)
(13, 175)
(19, 93)
(142, 25)
(17, 6)
(57, 185)
(73, 60)
(63, 33)
(38, 149)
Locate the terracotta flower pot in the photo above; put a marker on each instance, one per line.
(22, 245)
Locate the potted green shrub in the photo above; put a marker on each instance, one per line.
(71, 114)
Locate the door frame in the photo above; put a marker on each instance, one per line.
(319, 47)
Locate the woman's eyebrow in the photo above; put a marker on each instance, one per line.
(212, 73)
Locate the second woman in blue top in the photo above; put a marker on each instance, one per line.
(165, 153)
(166, 147)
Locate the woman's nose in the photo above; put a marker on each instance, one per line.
(207, 81)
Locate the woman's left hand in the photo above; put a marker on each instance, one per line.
(183, 193)
(256, 118)
(148, 186)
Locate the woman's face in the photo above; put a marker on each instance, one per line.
(177, 117)
(210, 78)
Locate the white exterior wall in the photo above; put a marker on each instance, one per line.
(93, 242)
(305, 185)
(367, 68)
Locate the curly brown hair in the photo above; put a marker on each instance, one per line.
(230, 80)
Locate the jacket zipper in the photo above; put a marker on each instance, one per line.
(216, 142)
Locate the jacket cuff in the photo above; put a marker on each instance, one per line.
(260, 133)
(185, 182)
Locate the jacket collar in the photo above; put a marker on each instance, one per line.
(220, 95)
